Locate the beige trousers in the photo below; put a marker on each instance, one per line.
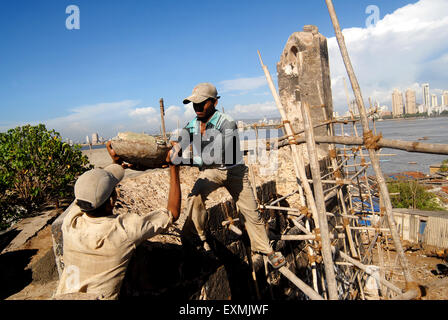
(236, 181)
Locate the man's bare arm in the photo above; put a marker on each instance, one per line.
(174, 195)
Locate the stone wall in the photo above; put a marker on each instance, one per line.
(304, 75)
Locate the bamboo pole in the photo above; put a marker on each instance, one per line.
(312, 254)
(299, 237)
(373, 157)
(313, 295)
(282, 198)
(409, 146)
(320, 202)
(367, 270)
(162, 116)
(334, 165)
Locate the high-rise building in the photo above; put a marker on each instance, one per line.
(434, 101)
(95, 138)
(426, 102)
(421, 108)
(397, 103)
(411, 103)
(445, 98)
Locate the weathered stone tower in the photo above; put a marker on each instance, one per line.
(304, 75)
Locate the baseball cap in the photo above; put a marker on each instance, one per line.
(202, 92)
(95, 186)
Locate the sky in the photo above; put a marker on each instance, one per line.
(108, 75)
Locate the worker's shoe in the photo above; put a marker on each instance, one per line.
(276, 259)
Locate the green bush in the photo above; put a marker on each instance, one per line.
(412, 195)
(444, 166)
(36, 168)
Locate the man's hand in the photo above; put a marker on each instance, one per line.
(115, 158)
(172, 154)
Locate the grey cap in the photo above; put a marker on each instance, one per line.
(202, 92)
(95, 186)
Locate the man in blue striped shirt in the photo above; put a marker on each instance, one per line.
(216, 151)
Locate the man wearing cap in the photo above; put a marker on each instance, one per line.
(98, 245)
(216, 151)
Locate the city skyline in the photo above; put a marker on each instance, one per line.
(406, 102)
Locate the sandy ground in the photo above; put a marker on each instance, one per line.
(98, 157)
(422, 263)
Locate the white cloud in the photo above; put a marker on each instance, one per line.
(104, 118)
(254, 110)
(242, 84)
(405, 49)
(142, 112)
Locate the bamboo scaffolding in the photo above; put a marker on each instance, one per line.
(320, 202)
(373, 157)
(298, 161)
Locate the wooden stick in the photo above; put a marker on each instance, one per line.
(373, 157)
(282, 198)
(409, 146)
(320, 202)
(313, 295)
(297, 237)
(162, 116)
(366, 270)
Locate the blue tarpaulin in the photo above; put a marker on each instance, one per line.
(367, 207)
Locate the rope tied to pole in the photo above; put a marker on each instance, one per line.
(318, 238)
(337, 174)
(314, 257)
(363, 162)
(371, 141)
(332, 153)
(304, 210)
(356, 149)
(291, 137)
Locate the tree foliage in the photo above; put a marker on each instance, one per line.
(412, 195)
(36, 167)
(444, 166)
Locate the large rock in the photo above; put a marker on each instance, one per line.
(140, 149)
